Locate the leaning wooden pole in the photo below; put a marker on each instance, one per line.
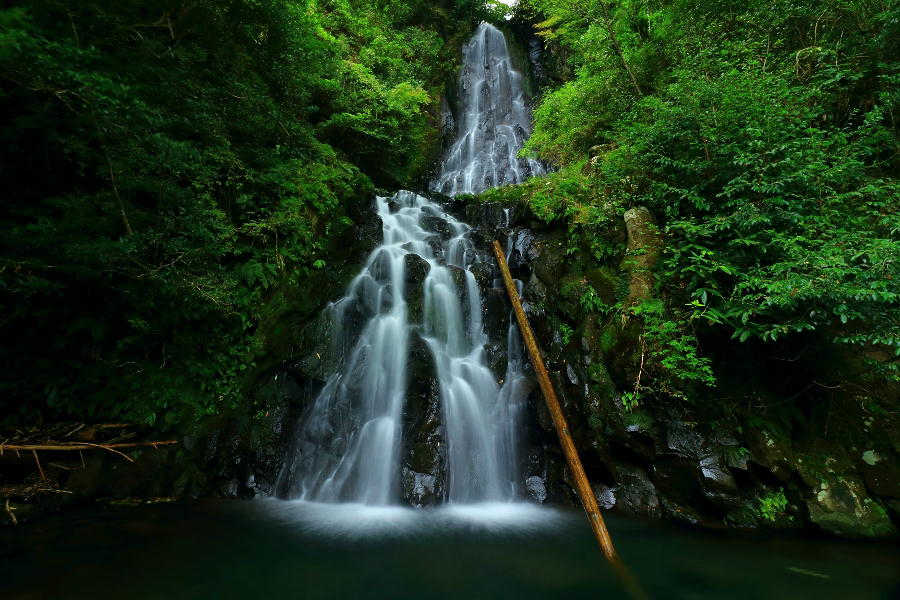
(583, 486)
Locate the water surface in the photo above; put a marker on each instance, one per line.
(269, 548)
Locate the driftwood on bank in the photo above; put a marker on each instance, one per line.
(60, 441)
(41, 439)
(583, 486)
(68, 446)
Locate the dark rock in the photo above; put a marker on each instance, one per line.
(436, 245)
(459, 277)
(683, 440)
(635, 492)
(484, 275)
(771, 451)
(318, 351)
(437, 225)
(487, 216)
(882, 476)
(716, 475)
(536, 489)
(416, 269)
(423, 471)
(535, 297)
(678, 478)
(718, 483)
(549, 265)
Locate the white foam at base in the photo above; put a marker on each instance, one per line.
(355, 521)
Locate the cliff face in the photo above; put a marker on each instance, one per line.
(732, 455)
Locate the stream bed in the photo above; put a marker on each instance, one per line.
(272, 548)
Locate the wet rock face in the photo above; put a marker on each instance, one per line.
(635, 493)
(416, 271)
(663, 460)
(319, 356)
(535, 489)
(424, 459)
(771, 452)
(420, 489)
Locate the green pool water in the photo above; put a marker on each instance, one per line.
(269, 548)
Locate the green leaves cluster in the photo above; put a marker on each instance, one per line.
(765, 138)
(168, 165)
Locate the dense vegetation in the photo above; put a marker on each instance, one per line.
(167, 164)
(764, 137)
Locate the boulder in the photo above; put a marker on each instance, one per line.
(634, 493)
(416, 269)
(841, 506)
(644, 247)
(423, 458)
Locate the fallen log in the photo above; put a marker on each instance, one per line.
(583, 486)
(67, 446)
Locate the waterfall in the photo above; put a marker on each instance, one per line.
(347, 447)
(495, 121)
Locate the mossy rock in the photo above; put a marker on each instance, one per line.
(550, 263)
(605, 282)
(841, 506)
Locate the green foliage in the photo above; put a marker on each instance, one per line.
(735, 454)
(767, 146)
(771, 506)
(670, 351)
(590, 301)
(566, 195)
(168, 166)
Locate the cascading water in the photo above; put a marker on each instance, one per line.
(495, 121)
(348, 444)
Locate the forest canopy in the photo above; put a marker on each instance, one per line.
(167, 164)
(170, 167)
(764, 136)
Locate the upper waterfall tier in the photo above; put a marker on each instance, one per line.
(495, 121)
